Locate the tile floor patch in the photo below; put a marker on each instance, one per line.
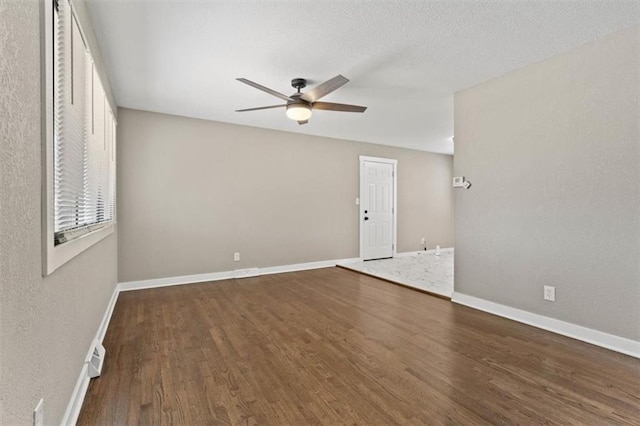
(425, 271)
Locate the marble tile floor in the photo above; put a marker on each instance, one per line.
(421, 270)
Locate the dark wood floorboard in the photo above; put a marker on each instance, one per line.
(330, 346)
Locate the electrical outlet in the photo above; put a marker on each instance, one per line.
(549, 293)
(236, 256)
(38, 414)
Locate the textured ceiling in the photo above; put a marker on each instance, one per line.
(404, 59)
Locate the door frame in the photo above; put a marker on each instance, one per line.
(394, 214)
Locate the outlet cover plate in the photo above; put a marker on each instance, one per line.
(549, 293)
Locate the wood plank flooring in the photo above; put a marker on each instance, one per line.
(331, 346)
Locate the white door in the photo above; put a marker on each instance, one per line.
(377, 201)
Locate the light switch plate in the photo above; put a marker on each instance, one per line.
(458, 181)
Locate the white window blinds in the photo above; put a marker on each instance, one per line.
(84, 136)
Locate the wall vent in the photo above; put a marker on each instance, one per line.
(96, 360)
(246, 273)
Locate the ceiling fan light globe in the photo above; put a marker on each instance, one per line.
(299, 111)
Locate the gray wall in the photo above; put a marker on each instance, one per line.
(553, 152)
(46, 324)
(193, 192)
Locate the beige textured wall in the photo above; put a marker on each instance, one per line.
(46, 324)
(193, 192)
(553, 151)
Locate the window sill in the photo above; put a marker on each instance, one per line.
(62, 253)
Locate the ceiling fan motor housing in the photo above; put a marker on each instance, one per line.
(299, 83)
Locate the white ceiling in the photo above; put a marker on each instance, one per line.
(404, 59)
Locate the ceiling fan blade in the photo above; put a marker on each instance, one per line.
(330, 106)
(325, 88)
(259, 108)
(265, 89)
(303, 122)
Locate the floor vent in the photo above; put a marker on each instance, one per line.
(96, 360)
(246, 273)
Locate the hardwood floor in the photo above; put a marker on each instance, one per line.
(331, 346)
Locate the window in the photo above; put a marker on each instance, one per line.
(80, 158)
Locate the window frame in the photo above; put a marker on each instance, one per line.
(56, 255)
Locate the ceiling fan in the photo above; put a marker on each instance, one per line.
(299, 105)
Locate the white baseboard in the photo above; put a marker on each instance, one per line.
(348, 261)
(77, 398)
(598, 338)
(82, 384)
(415, 253)
(183, 279)
(305, 266)
(226, 275)
(104, 324)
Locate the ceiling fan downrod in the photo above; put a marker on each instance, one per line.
(299, 83)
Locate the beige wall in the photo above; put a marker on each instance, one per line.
(193, 192)
(46, 324)
(553, 152)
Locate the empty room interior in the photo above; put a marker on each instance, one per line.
(295, 212)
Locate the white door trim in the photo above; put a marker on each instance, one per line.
(393, 162)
